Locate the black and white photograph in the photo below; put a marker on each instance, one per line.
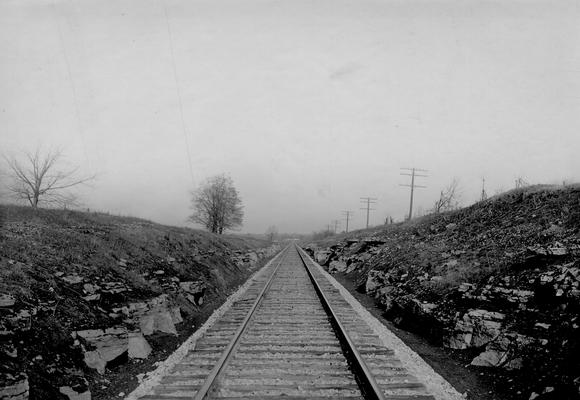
(290, 199)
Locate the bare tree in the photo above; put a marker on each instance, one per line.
(448, 199)
(216, 205)
(521, 182)
(271, 233)
(39, 179)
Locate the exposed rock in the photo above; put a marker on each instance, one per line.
(72, 279)
(138, 346)
(322, 256)
(475, 329)
(74, 395)
(375, 279)
(176, 315)
(6, 300)
(252, 258)
(195, 291)
(374, 241)
(502, 352)
(90, 288)
(110, 344)
(92, 297)
(154, 321)
(424, 307)
(17, 389)
(466, 287)
(556, 249)
(337, 266)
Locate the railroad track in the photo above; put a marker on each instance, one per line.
(290, 336)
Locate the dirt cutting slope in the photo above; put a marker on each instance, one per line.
(88, 301)
(496, 284)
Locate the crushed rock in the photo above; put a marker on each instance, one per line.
(153, 378)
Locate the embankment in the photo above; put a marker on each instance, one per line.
(89, 301)
(497, 285)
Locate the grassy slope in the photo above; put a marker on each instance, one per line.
(35, 247)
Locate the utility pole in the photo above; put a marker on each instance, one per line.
(369, 201)
(413, 174)
(336, 223)
(483, 192)
(347, 214)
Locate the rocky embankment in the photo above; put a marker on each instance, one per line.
(89, 302)
(497, 284)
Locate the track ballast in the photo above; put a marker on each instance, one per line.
(292, 336)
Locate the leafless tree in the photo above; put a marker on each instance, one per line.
(448, 199)
(521, 182)
(216, 205)
(271, 233)
(39, 179)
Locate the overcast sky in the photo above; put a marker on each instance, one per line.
(307, 104)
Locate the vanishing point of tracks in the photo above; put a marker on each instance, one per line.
(290, 336)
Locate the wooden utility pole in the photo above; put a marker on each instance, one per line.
(336, 223)
(413, 174)
(347, 214)
(369, 201)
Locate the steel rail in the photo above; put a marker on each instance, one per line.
(367, 383)
(229, 351)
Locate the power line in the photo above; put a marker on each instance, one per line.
(413, 174)
(72, 86)
(179, 97)
(369, 201)
(348, 214)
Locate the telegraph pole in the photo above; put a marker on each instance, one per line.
(335, 222)
(347, 214)
(413, 174)
(369, 201)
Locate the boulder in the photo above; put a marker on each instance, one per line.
(195, 291)
(337, 266)
(193, 287)
(74, 395)
(157, 321)
(94, 360)
(16, 389)
(138, 346)
(322, 256)
(109, 343)
(461, 337)
(475, 329)
(503, 352)
(176, 315)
